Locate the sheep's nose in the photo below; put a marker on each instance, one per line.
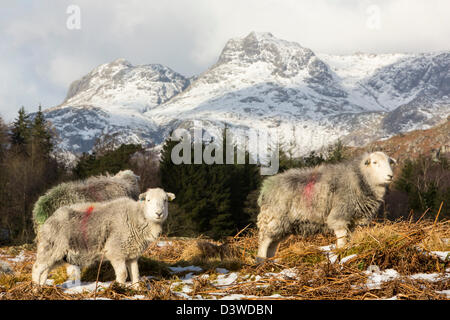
(159, 214)
(390, 176)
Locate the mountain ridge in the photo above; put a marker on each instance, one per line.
(260, 82)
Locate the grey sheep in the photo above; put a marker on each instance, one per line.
(321, 199)
(119, 230)
(100, 188)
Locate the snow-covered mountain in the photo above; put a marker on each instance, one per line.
(260, 81)
(112, 99)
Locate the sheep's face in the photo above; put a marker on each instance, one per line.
(156, 204)
(377, 167)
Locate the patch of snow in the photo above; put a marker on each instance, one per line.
(222, 270)
(283, 274)
(19, 258)
(391, 298)
(72, 287)
(445, 292)
(164, 243)
(376, 278)
(432, 277)
(332, 257)
(226, 280)
(184, 269)
(328, 248)
(347, 258)
(183, 295)
(188, 277)
(443, 255)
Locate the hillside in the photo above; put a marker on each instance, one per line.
(434, 141)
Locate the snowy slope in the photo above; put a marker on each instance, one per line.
(111, 99)
(261, 82)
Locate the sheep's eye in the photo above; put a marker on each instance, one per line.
(374, 162)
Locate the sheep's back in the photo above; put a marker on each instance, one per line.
(94, 189)
(293, 183)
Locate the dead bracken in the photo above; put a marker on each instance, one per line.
(302, 269)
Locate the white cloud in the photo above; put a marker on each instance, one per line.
(42, 56)
(63, 70)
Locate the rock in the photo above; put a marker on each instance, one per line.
(4, 235)
(5, 268)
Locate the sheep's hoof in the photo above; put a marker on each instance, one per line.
(36, 289)
(136, 286)
(260, 260)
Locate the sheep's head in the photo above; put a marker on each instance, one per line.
(376, 167)
(156, 204)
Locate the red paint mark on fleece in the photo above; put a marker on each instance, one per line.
(309, 189)
(86, 216)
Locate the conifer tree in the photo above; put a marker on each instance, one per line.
(3, 138)
(21, 131)
(41, 134)
(210, 197)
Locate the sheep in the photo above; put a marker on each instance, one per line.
(321, 199)
(118, 230)
(100, 188)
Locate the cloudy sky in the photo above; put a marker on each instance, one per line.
(42, 50)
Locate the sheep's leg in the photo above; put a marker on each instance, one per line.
(43, 264)
(133, 271)
(36, 273)
(339, 225)
(40, 272)
(120, 270)
(272, 249)
(341, 235)
(73, 273)
(263, 249)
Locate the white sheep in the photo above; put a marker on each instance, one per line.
(119, 230)
(325, 198)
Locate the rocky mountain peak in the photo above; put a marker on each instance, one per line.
(119, 83)
(288, 58)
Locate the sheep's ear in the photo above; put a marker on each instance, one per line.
(171, 196)
(142, 196)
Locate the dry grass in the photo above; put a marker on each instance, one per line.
(403, 246)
